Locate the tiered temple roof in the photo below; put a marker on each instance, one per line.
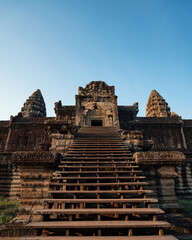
(157, 106)
(34, 106)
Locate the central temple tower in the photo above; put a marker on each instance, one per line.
(96, 105)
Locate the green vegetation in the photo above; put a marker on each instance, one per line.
(7, 210)
(187, 205)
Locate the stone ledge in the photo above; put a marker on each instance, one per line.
(159, 158)
(35, 158)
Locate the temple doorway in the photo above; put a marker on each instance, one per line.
(96, 123)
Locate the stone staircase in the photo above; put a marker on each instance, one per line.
(99, 193)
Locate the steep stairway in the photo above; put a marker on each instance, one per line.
(98, 193)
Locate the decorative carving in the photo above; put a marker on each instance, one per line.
(172, 158)
(17, 231)
(34, 106)
(33, 158)
(97, 88)
(135, 142)
(157, 106)
(97, 101)
(61, 142)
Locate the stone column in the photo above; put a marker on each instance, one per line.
(36, 169)
(159, 167)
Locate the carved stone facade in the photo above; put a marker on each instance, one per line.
(61, 134)
(96, 104)
(135, 142)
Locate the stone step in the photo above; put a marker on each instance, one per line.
(98, 224)
(100, 178)
(98, 167)
(101, 153)
(91, 200)
(111, 162)
(108, 158)
(97, 150)
(120, 154)
(98, 147)
(154, 237)
(100, 191)
(100, 211)
(99, 172)
(98, 141)
(100, 184)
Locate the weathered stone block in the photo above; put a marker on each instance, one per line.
(160, 166)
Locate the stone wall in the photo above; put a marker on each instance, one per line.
(166, 133)
(26, 134)
(183, 183)
(36, 169)
(4, 129)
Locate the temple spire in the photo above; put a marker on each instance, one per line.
(34, 106)
(157, 106)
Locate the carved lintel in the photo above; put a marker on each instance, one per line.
(35, 158)
(19, 230)
(173, 158)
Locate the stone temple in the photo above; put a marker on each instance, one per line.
(95, 169)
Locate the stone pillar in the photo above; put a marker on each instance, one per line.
(36, 169)
(159, 167)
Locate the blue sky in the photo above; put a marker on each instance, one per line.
(58, 45)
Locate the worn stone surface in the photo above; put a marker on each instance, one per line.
(34, 106)
(61, 142)
(135, 142)
(159, 158)
(61, 134)
(157, 106)
(97, 101)
(96, 89)
(36, 169)
(183, 186)
(34, 158)
(15, 231)
(28, 142)
(159, 167)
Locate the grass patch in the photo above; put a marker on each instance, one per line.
(7, 210)
(187, 205)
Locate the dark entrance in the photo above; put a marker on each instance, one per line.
(96, 123)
